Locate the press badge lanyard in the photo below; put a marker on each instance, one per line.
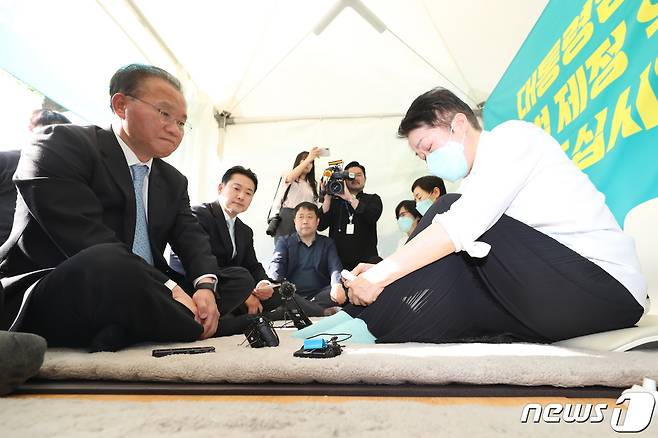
(349, 228)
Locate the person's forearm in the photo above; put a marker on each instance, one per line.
(297, 171)
(432, 244)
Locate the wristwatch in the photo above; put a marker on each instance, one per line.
(208, 285)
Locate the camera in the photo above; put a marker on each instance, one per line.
(273, 224)
(260, 333)
(335, 177)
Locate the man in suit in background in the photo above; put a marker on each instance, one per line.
(83, 266)
(8, 163)
(231, 240)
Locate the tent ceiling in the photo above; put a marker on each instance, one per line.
(261, 59)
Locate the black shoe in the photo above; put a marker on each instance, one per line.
(21, 356)
(111, 338)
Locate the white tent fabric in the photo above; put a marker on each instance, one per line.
(292, 74)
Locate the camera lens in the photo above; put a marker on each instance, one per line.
(335, 187)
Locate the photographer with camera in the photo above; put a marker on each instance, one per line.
(309, 260)
(351, 215)
(296, 186)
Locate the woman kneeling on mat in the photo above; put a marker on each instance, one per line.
(528, 252)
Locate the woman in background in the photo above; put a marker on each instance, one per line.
(407, 217)
(297, 185)
(426, 190)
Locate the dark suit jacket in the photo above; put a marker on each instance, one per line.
(211, 217)
(76, 191)
(8, 163)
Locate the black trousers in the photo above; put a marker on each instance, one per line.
(528, 288)
(108, 286)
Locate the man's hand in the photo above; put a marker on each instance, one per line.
(253, 304)
(207, 311)
(263, 290)
(346, 194)
(182, 297)
(338, 294)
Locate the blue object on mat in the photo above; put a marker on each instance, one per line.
(323, 325)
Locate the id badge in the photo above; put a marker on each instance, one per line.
(349, 229)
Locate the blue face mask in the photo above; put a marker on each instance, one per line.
(405, 223)
(424, 205)
(448, 161)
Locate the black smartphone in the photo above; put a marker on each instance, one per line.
(184, 350)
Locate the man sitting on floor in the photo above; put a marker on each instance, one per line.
(309, 260)
(231, 240)
(84, 265)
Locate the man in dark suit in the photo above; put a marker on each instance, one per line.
(84, 265)
(8, 164)
(231, 240)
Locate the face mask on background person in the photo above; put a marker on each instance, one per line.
(424, 205)
(405, 223)
(448, 161)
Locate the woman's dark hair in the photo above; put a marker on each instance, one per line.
(410, 206)
(310, 177)
(428, 183)
(308, 206)
(128, 78)
(436, 107)
(241, 171)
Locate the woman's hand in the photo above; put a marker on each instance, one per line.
(313, 153)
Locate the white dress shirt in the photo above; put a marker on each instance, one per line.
(132, 159)
(230, 222)
(521, 171)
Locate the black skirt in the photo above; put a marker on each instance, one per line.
(529, 287)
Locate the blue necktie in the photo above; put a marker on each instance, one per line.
(141, 245)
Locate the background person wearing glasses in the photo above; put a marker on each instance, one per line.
(95, 211)
(352, 218)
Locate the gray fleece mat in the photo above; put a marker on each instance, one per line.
(387, 364)
(369, 418)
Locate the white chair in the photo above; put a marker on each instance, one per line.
(641, 223)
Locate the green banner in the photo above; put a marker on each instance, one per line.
(588, 75)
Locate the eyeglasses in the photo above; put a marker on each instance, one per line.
(165, 117)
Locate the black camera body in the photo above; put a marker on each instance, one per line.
(335, 178)
(273, 224)
(261, 333)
